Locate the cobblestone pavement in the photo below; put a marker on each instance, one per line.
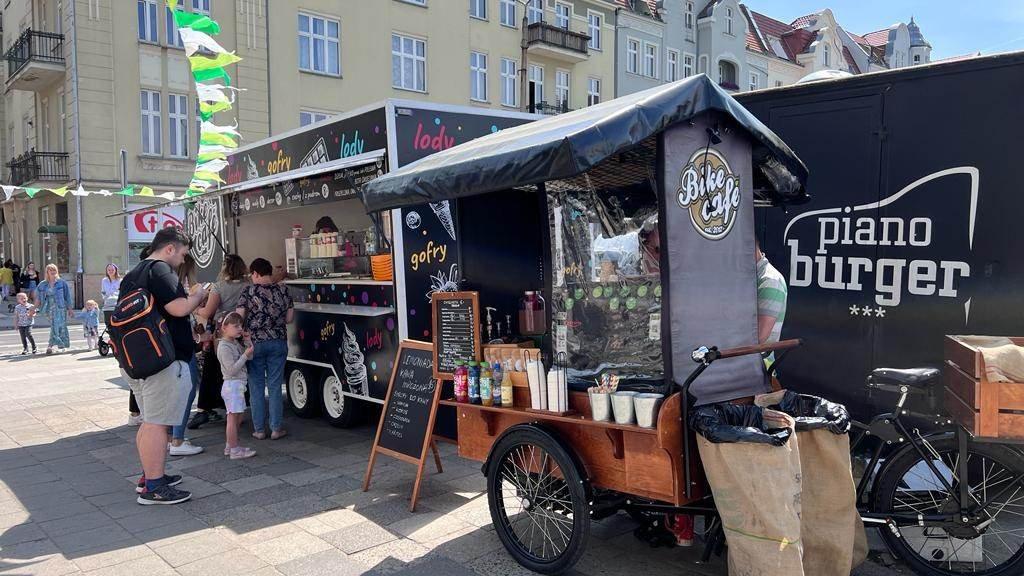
(67, 506)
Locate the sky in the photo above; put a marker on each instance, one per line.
(951, 27)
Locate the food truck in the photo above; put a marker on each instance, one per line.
(360, 284)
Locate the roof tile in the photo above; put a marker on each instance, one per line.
(850, 61)
(877, 38)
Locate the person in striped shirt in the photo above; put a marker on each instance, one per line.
(771, 299)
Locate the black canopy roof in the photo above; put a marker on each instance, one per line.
(569, 144)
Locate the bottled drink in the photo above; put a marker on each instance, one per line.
(496, 384)
(461, 382)
(473, 378)
(486, 384)
(506, 390)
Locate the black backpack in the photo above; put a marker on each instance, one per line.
(139, 336)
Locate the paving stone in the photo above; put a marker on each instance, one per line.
(112, 554)
(50, 566)
(215, 503)
(301, 507)
(271, 495)
(171, 533)
(437, 566)
(308, 476)
(326, 563)
(189, 550)
(385, 512)
(235, 562)
(247, 516)
(287, 466)
(219, 471)
(21, 533)
(78, 523)
(427, 526)
(78, 541)
(333, 486)
(359, 537)
(147, 565)
(247, 536)
(26, 553)
(251, 483)
(467, 545)
(288, 547)
(400, 552)
(154, 517)
(329, 521)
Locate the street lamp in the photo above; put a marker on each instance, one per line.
(523, 45)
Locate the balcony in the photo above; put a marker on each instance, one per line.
(35, 61)
(545, 39)
(35, 166)
(551, 109)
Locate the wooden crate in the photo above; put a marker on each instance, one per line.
(987, 409)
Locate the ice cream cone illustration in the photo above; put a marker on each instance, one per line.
(355, 368)
(443, 210)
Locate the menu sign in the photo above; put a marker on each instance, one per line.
(404, 430)
(456, 330)
(330, 187)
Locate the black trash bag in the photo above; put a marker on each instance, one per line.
(728, 423)
(814, 412)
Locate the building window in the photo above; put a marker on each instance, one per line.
(307, 117)
(562, 89)
(507, 10)
(408, 63)
(687, 65)
(689, 16)
(633, 56)
(672, 66)
(147, 20)
(151, 131)
(319, 45)
(562, 15)
(478, 9)
(62, 129)
(201, 7)
(478, 76)
(199, 126)
(594, 22)
(508, 82)
(593, 91)
(534, 11)
(753, 81)
(171, 27)
(728, 20)
(537, 79)
(727, 74)
(177, 124)
(778, 83)
(917, 58)
(650, 60)
(825, 55)
(702, 64)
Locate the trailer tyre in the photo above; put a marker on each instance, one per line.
(339, 409)
(538, 501)
(303, 394)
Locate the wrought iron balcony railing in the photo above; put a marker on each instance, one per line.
(33, 165)
(33, 45)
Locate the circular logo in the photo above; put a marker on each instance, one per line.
(710, 192)
(278, 199)
(201, 225)
(413, 220)
(248, 205)
(263, 202)
(325, 191)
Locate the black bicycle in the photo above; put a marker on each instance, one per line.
(944, 501)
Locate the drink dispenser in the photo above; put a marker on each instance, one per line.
(532, 311)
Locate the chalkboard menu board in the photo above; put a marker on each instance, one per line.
(456, 330)
(405, 428)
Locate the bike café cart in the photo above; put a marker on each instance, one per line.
(644, 258)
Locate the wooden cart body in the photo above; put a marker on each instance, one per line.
(643, 462)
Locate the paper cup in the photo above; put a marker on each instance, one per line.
(600, 406)
(622, 407)
(646, 407)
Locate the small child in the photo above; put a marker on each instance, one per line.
(90, 316)
(24, 318)
(232, 359)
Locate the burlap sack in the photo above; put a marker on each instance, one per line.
(757, 492)
(831, 528)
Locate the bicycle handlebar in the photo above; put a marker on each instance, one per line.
(705, 355)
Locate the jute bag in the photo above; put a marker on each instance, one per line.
(757, 492)
(831, 529)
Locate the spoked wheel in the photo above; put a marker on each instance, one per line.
(538, 501)
(992, 544)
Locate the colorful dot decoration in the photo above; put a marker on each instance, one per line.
(366, 298)
(437, 121)
(376, 129)
(426, 333)
(302, 334)
(494, 128)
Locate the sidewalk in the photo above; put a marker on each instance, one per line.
(42, 321)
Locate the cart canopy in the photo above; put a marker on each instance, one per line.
(569, 144)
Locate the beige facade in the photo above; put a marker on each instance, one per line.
(99, 78)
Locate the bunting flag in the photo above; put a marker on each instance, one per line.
(208, 60)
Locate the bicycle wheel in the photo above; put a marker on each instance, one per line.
(538, 502)
(992, 546)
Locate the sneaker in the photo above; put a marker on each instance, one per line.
(184, 449)
(227, 450)
(171, 479)
(34, 350)
(163, 495)
(198, 419)
(24, 352)
(278, 434)
(241, 452)
(49, 350)
(135, 420)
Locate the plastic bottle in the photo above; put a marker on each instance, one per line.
(506, 390)
(496, 384)
(486, 384)
(473, 378)
(461, 382)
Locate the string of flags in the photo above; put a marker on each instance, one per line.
(208, 60)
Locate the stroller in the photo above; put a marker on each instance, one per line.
(103, 344)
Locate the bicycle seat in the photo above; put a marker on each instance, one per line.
(916, 377)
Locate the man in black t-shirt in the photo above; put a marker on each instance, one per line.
(163, 397)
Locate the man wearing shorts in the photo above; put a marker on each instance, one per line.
(163, 397)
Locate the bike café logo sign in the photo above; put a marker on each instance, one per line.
(144, 225)
(710, 192)
(201, 225)
(887, 258)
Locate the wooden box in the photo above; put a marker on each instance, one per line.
(987, 409)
